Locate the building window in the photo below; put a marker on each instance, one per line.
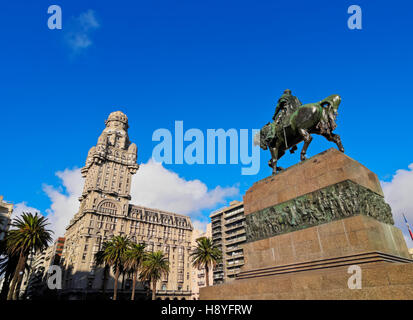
(180, 275)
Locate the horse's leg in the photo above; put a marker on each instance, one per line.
(273, 161)
(279, 155)
(307, 140)
(333, 137)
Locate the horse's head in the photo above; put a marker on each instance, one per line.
(331, 103)
(263, 137)
(257, 139)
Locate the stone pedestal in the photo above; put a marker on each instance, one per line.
(305, 226)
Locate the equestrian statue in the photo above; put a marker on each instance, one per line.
(294, 122)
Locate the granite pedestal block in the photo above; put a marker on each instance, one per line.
(306, 225)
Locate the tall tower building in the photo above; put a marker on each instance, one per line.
(109, 169)
(105, 211)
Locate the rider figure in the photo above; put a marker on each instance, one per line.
(286, 105)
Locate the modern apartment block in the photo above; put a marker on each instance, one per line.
(105, 211)
(228, 234)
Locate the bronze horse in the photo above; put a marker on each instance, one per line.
(313, 118)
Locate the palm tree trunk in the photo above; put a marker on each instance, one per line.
(153, 289)
(17, 290)
(206, 275)
(115, 287)
(123, 281)
(105, 279)
(133, 286)
(16, 277)
(6, 285)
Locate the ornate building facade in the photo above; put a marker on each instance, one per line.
(105, 211)
(6, 210)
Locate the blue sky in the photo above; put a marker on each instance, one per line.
(214, 64)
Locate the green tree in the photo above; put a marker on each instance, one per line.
(133, 262)
(29, 235)
(114, 255)
(205, 255)
(154, 266)
(8, 264)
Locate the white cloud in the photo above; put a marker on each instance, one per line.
(200, 225)
(156, 187)
(153, 186)
(64, 199)
(21, 207)
(399, 194)
(78, 35)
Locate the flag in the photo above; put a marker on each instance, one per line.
(408, 227)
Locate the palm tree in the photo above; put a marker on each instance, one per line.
(155, 265)
(205, 255)
(30, 235)
(134, 259)
(7, 266)
(114, 255)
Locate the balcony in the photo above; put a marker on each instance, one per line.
(235, 255)
(174, 292)
(235, 218)
(216, 231)
(235, 212)
(216, 224)
(235, 226)
(232, 249)
(236, 233)
(236, 240)
(216, 219)
(217, 236)
(238, 263)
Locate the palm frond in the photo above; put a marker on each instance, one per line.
(154, 266)
(205, 253)
(28, 234)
